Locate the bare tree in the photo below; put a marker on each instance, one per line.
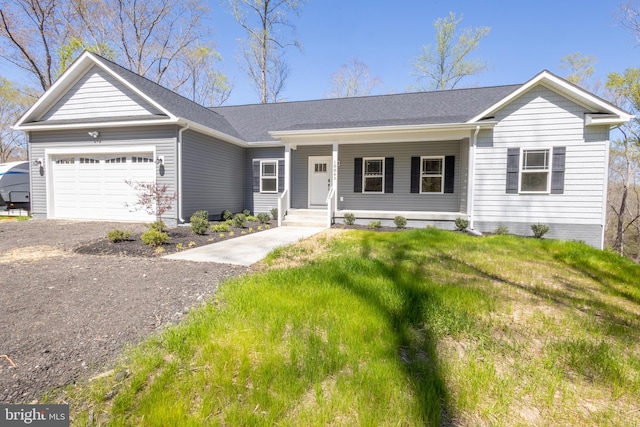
(629, 17)
(263, 51)
(30, 33)
(625, 153)
(155, 38)
(446, 63)
(352, 79)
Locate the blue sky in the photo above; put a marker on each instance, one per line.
(526, 37)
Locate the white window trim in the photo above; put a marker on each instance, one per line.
(274, 161)
(422, 174)
(548, 169)
(364, 175)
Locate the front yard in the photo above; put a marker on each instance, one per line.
(423, 327)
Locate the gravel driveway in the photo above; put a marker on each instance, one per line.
(64, 316)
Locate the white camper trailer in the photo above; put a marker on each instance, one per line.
(14, 185)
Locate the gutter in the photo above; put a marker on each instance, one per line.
(472, 176)
(179, 170)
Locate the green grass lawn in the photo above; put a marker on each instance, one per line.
(422, 327)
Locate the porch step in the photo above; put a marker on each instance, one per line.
(306, 218)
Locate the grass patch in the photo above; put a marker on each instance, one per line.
(423, 327)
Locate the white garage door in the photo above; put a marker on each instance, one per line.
(93, 186)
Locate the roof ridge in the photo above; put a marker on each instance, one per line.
(369, 96)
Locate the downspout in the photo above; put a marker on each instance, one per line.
(472, 177)
(179, 171)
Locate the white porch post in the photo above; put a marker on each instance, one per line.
(287, 173)
(334, 183)
(471, 177)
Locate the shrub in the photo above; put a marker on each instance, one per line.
(349, 218)
(179, 246)
(461, 224)
(539, 230)
(400, 221)
(199, 224)
(251, 218)
(201, 214)
(274, 213)
(263, 217)
(117, 236)
(153, 237)
(239, 220)
(501, 230)
(375, 224)
(158, 226)
(226, 215)
(246, 212)
(220, 228)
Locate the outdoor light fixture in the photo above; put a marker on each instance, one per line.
(39, 162)
(160, 161)
(94, 134)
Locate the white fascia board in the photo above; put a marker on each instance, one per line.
(604, 119)
(381, 134)
(552, 82)
(67, 126)
(212, 132)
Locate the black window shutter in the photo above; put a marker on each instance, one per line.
(557, 171)
(357, 175)
(513, 170)
(415, 174)
(280, 176)
(449, 173)
(256, 176)
(388, 175)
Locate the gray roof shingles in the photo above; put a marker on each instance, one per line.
(252, 123)
(255, 121)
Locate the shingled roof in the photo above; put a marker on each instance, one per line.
(254, 122)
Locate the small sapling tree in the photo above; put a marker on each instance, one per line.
(153, 198)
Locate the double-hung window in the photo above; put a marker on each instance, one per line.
(535, 172)
(373, 175)
(432, 175)
(269, 176)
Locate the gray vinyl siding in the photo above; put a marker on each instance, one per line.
(161, 139)
(259, 202)
(98, 94)
(300, 166)
(587, 233)
(212, 175)
(401, 199)
(541, 118)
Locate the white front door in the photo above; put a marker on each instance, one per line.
(319, 180)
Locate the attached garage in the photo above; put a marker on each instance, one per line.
(92, 185)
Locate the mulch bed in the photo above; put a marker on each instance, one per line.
(181, 238)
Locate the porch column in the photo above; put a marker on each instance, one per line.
(287, 173)
(334, 177)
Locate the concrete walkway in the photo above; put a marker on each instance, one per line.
(249, 249)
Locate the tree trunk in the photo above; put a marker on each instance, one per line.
(618, 245)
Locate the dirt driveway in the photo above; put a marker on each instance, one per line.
(64, 316)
